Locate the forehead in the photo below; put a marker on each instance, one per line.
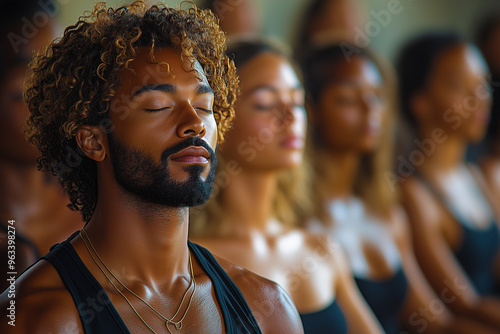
(460, 59)
(358, 70)
(162, 65)
(267, 69)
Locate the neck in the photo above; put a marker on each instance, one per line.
(149, 240)
(446, 156)
(249, 201)
(339, 175)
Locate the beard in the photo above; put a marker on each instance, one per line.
(140, 175)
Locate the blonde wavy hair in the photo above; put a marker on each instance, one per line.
(291, 204)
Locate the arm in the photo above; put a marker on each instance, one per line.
(423, 309)
(359, 316)
(437, 260)
(270, 304)
(39, 307)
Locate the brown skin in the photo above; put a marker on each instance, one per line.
(238, 18)
(348, 115)
(272, 99)
(154, 236)
(31, 198)
(338, 21)
(457, 75)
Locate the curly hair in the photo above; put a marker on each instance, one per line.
(74, 80)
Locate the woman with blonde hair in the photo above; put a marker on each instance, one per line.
(259, 196)
(351, 110)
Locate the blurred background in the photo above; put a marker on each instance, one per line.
(281, 18)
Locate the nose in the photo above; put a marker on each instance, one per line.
(190, 123)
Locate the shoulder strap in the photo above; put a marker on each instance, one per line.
(96, 311)
(238, 317)
(439, 196)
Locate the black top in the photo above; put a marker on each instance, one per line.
(328, 320)
(385, 298)
(98, 315)
(478, 248)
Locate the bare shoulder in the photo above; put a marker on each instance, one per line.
(270, 304)
(420, 205)
(39, 303)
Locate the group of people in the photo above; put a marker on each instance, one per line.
(322, 191)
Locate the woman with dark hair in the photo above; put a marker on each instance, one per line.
(329, 21)
(445, 98)
(488, 41)
(240, 18)
(259, 197)
(351, 109)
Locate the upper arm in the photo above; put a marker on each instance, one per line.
(270, 304)
(360, 318)
(433, 253)
(40, 304)
(275, 312)
(420, 293)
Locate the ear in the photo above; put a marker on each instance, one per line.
(90, 140)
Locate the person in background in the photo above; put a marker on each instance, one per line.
(330, 21)
(142, 94)
(251, 220)
(238, 19)
(351, 106)
(33, 208)
(488, 41)
(446, 100)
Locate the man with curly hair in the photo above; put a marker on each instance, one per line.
(126, 109)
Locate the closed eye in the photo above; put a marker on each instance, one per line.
(208, 111)
(156, 110)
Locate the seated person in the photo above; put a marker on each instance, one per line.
(140, 97)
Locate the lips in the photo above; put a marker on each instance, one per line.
(191, 154)
(293, 141)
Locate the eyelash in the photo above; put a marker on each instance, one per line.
(160, 109)
(208, 111)
(156, 110)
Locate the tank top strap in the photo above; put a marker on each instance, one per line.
(97, 313)
(238, 317)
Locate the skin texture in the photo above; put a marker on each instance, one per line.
(347, 117)
(272, 100)
(31, 198)
(436, 232)
(153, 234)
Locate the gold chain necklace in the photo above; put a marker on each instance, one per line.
(177, 324)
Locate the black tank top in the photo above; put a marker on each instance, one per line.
(385, 298)
(98, 315)
(478, 249)
(328, 320)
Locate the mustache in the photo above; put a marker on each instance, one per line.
(192, 141)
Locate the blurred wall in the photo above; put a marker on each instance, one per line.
(385, 34)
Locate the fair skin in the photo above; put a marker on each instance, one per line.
(348, 115)
(272, 101)
(158, 118)
(438, 232)
(31, 198)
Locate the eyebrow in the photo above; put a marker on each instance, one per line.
(169, 88)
